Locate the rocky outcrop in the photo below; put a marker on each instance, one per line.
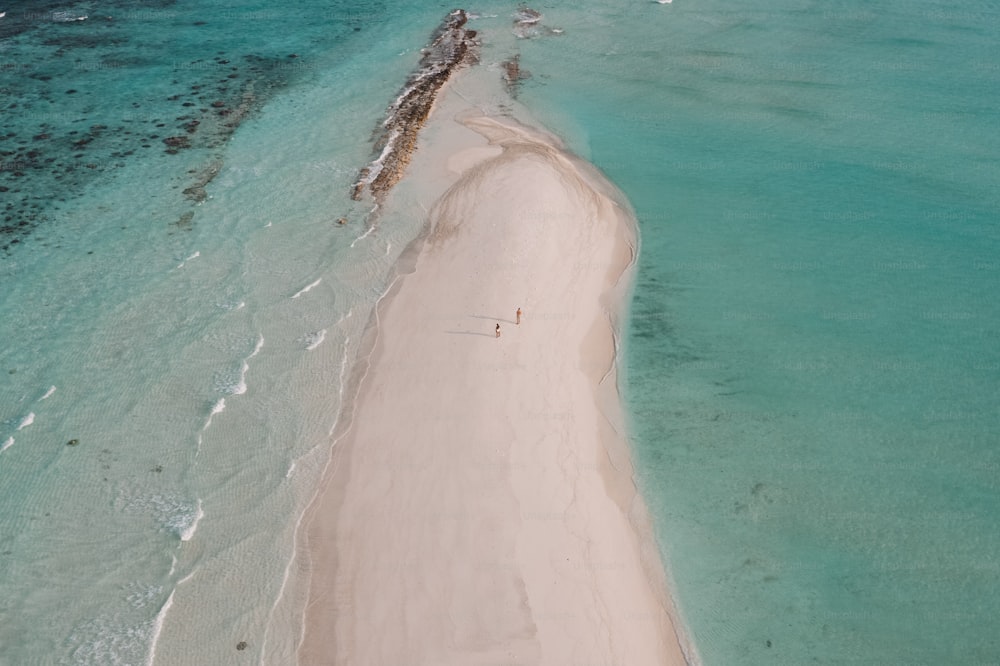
(452, 46)
(528, 24)
(513, 74)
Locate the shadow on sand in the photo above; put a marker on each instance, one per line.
(500, 320)
(488, 335)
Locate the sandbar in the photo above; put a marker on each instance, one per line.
(479, 505)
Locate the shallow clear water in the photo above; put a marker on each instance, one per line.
(812, 360)
(173, 359)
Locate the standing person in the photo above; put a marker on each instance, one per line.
(518, 316)
(498, 330)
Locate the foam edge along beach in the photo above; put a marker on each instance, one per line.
(479, 504)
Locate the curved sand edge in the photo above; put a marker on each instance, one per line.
(480, 508)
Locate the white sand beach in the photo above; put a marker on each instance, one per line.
(480, 507)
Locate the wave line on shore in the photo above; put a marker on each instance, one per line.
(157, 628)
(306, 288)
(26, 421)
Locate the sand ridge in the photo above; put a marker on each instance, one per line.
(477, 509)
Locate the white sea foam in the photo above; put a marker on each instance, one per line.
(307, 288)
(142, 595)
(26, 421)
(376, 167)
(363, 236)
(67, 17)
(108, 640)
(314, 340)
(231, 305)
(193, 256)
(6, 445)
(157, 628)
(258, 347)
(189, 531)
(344, 365)
(241, 386)
(237, 385)
(291, 469)
(52, 389)
(289, 564)
(171, 512)
(216, 408)
(527, 16)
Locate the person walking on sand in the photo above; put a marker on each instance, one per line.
(498, 330)
(518, 316)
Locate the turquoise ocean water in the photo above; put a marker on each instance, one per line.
(813, 358)
(812, 363)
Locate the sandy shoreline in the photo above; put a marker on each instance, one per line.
(480, 507)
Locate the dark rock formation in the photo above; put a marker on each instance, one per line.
(184, 223)
(513, 74)
(528, 24)
(176, 142)
(451, 46)
(527, 16)
(196, 192)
